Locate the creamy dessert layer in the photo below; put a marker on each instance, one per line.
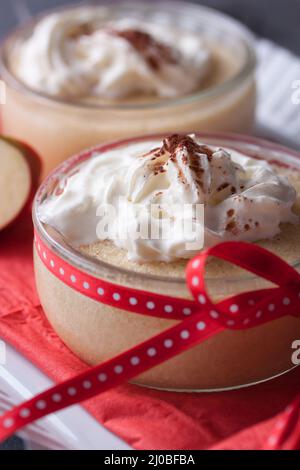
(153, 182)
(78, 54)
(285, 244)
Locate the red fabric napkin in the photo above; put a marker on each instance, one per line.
(144, 418)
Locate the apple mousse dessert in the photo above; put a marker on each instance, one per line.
(93, 210)
(86, 74)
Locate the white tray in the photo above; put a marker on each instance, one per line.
(73, 428)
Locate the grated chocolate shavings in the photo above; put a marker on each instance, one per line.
(232, 227)
(158, 168)
(154, 52)
(84, 29)
(152, 152)
(179, 142)
(222, 186)
(193, 157)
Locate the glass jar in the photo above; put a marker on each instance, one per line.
(58, 128)
(96, 332)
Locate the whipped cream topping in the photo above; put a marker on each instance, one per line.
(77, 54)
(243, 198)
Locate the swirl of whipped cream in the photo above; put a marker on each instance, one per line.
(243, 197)
(77, 54)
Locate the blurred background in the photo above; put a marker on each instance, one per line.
(278, 20)
(274, 19)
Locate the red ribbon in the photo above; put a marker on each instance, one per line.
(199, 320)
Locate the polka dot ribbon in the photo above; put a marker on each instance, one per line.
(198, 320)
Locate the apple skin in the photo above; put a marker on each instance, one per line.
(32, 158)
(35, 165)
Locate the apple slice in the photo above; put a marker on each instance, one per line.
(20, 169)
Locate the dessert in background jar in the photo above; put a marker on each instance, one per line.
(82, 75)
(248, 191)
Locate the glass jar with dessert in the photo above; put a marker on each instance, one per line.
(87, 74)
(248, 190)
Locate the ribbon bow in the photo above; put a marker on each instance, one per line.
(198, 320)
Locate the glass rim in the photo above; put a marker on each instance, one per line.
(246, 39)
(97, 267)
